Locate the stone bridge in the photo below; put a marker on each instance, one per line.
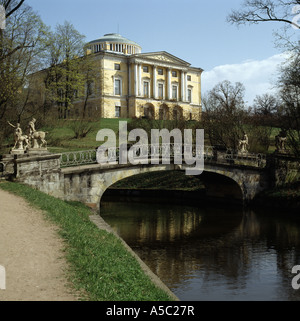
(76, 176)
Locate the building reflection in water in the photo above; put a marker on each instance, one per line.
(211, 253)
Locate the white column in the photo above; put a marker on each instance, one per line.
(183, 86)
(186, 87)
(136, 90)
(140, 80)
(169, 85)
(129, 80)
(154, 83)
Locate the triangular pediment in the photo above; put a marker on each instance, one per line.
(163, 56)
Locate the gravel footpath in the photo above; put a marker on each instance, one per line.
(32, 255)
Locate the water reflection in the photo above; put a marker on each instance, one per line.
(210, 253)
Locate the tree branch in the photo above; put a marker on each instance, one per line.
(13, 51)
(14, 9)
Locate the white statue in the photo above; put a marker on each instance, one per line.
(280, 140)
(21, 141)
(37, 137)
(244, 144)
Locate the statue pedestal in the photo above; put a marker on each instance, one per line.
(17, 152)
(37, 151)
(283, 152)
(242, 153)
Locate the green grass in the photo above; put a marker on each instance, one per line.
(289, 192)
(61, 136)
(100, 265)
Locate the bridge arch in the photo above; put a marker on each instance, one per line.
(89, 186)
(218, 187)
(221, 187)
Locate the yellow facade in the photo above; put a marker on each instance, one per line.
(135, 84)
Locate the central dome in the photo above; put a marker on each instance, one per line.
(114, 42)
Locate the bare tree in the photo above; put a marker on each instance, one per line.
(285, 12)
(289, 84)
(265, 104)
(265, 10)
(224, 114)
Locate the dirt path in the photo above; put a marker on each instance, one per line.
(31, 253)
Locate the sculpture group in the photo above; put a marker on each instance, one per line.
(32, 140)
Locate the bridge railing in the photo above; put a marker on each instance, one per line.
(163, 152)
(78, 158)
(240, 158)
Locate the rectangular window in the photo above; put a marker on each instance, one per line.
(160, 71)
(174, 92)
(117, 67)
(189, 95)
(161, 91)
(145, 69)
(174, 73)
(117, 87)
(117, 111)
(189, 77)
(146, 89)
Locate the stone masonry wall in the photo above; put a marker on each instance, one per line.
(42, 172)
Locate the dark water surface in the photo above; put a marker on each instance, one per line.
(212, 253)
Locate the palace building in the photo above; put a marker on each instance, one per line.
(131, 84)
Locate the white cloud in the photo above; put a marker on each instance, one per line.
(258, 76)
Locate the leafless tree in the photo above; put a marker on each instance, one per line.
(265, 10)
(285, 12)
(265, 104)
(224, 112)
(289, 85)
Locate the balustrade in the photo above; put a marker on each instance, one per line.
(165, 152)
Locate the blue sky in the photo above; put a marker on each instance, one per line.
(193, 30)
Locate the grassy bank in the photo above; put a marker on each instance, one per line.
(68, 135)
(286, 197)
(100, 266)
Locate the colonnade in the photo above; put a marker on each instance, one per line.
(167, 83)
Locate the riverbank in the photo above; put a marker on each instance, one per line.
(285, 197)
(100, 266)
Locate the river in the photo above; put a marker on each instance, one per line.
(214, 253)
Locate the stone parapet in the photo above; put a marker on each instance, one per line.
(284, 169)
(40, 171)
